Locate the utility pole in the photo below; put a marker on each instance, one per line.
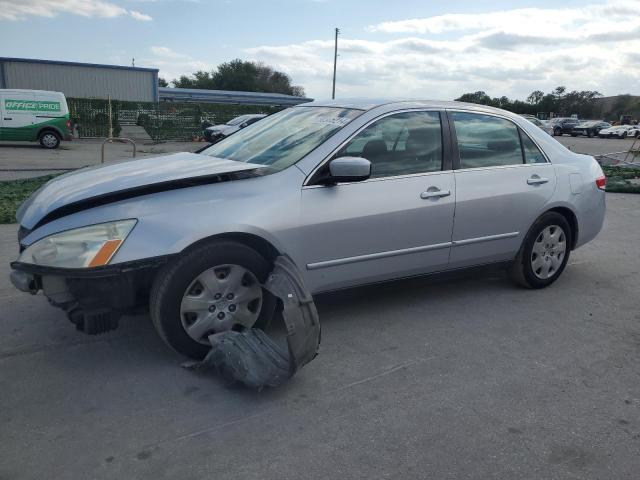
(335, 61)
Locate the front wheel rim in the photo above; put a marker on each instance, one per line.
(224, 297)
(549, 250)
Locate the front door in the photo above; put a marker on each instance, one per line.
(396, 224)
(502, 183)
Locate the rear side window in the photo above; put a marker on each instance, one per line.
(532, 153)
(400, 144)
(486, 141)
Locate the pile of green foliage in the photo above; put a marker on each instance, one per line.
(620, 179)
(14, 192)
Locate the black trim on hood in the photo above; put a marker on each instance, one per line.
(112, 197)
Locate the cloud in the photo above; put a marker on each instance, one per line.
(140, 16)
(13, 10)
(172, 64)
(507, 52)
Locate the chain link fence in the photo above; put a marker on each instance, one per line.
(164, 121)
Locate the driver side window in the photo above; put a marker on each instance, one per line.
(400, 144)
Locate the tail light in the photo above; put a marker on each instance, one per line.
(601, 182)
(69, 125)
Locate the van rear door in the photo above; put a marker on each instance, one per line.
(18, 116)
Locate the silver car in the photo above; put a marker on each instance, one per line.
(354, 192)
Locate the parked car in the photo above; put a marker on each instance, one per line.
(34, 116)
(563, 125)
(352, 192)
(538, 123)
(620, 131)
(216, 133)
(590, 128)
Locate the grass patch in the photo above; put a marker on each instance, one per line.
(14, 192)
(621, 179)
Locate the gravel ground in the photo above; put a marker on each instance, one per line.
(24, 160)
(30, 160)
(460, 378)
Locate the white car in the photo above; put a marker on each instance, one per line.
(620, 131)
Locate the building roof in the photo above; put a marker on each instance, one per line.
(228, 96)
(76, 64)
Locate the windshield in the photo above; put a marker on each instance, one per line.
(283, 138)
(237, 120)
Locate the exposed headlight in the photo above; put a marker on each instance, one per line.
(91, 246)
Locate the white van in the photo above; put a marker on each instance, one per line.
(34, 115)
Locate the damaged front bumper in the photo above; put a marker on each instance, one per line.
(93, 298)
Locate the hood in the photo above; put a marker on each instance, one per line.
(99, 185)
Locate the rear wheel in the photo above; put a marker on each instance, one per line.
(49, 139)
(557, 132)
(544, 252)
(213, 288)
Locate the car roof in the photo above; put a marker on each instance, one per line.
(397, 104)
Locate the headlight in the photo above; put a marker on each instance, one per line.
(91, 246)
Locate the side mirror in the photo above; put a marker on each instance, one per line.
(243, 125)
(349, 169)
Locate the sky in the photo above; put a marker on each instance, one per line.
(402, 48)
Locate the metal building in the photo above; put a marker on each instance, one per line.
(81, 80)
(229, 97)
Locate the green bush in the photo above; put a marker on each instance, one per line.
(14, 192)
(618, 179)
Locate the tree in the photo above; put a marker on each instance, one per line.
(478, 97)
(535, 97)
(242, 76)
(162, 82)
(558, 101)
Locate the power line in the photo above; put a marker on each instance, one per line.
(335, 62)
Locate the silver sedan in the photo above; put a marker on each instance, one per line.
(354, 192)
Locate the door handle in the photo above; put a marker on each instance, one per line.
(8, 118)
(434, 192)
(536, 180)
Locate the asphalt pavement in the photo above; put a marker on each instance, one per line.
(467, 377)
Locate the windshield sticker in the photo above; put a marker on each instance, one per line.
(31, 106)
(340, 121)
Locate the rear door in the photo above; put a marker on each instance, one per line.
(502, 180)
(397, 223)
(18, 116)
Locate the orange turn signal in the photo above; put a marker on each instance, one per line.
(105, 253)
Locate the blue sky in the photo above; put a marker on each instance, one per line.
(402, 48)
